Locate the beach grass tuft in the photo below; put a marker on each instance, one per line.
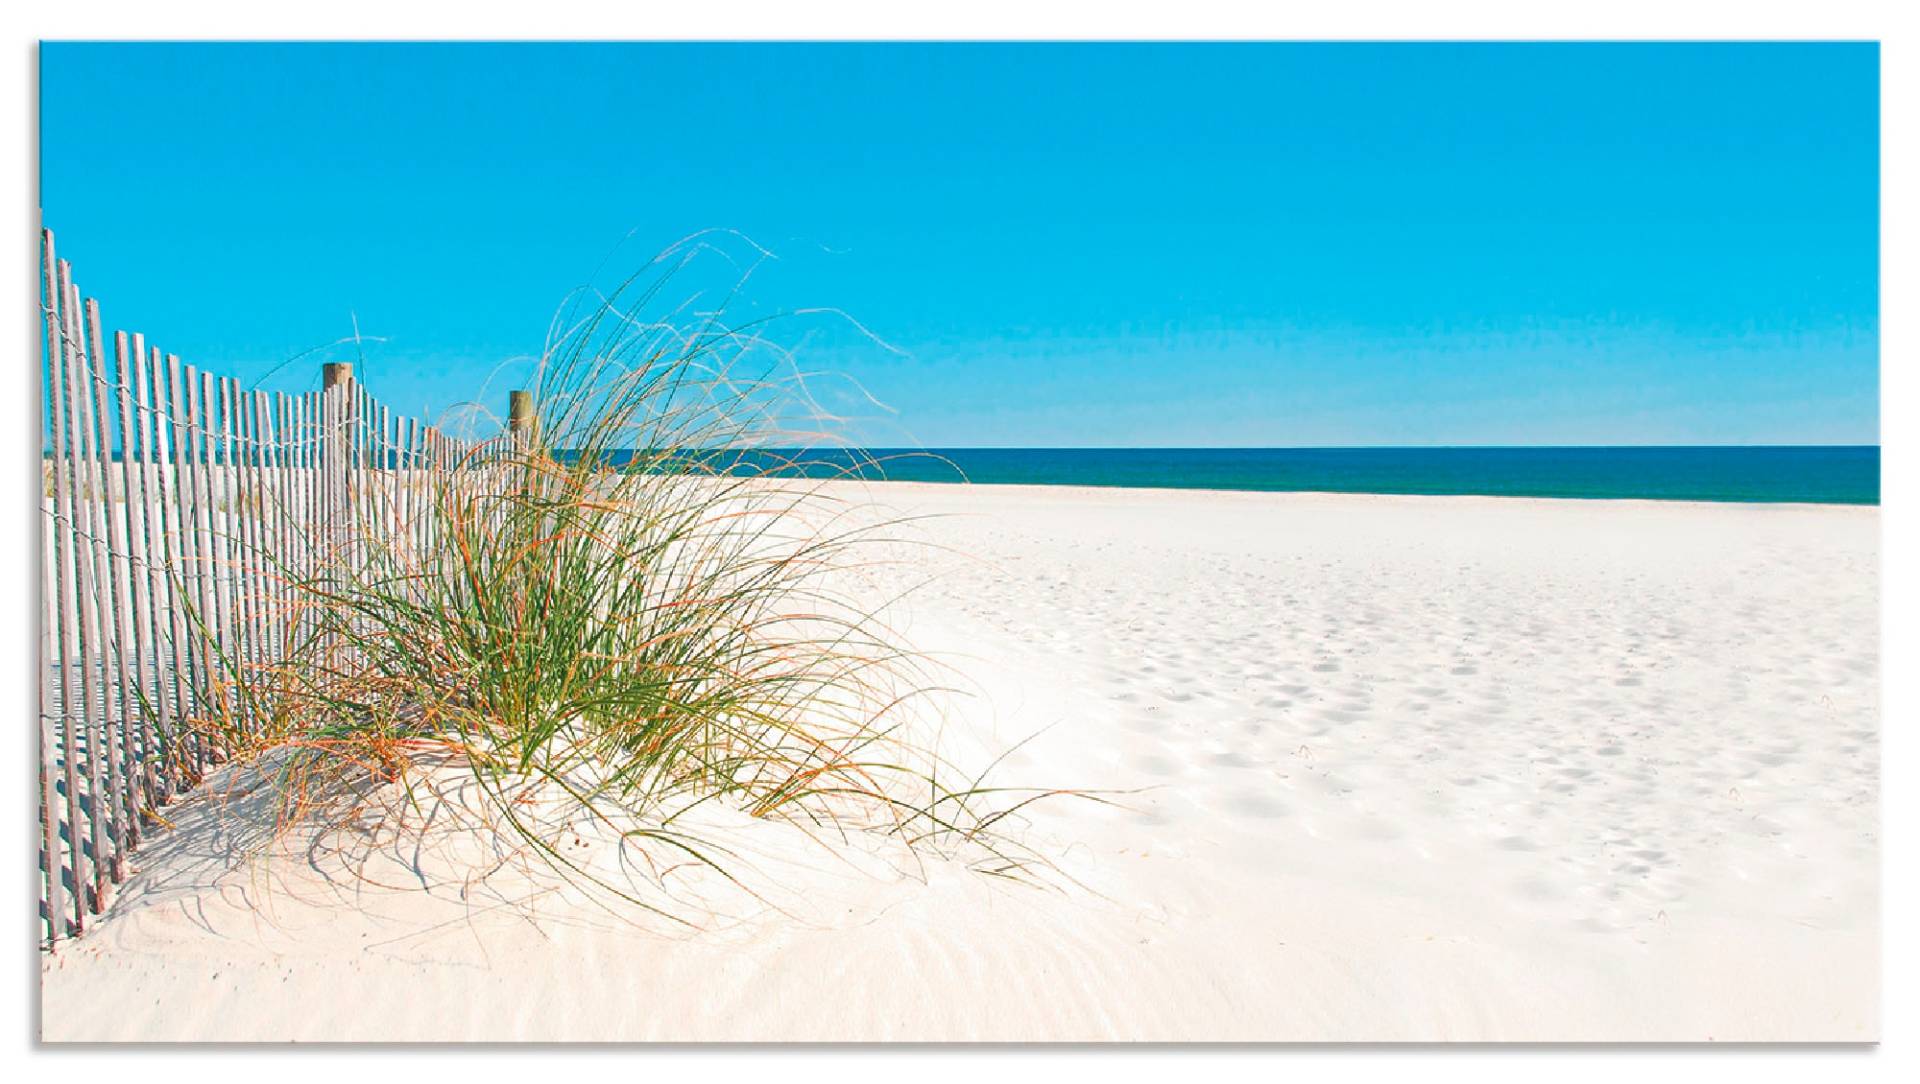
(620, 613)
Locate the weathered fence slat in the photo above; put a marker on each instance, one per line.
(227, 543)
(116, 683)
(245, 573)
(152, 585)
(206, 617)
(267, 533)
(189, 598)
(91, 716)
(56, 739)
(131, 570)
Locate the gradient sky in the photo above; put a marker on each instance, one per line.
(1107, 245)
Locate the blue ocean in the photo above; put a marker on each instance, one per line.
(1815, 474)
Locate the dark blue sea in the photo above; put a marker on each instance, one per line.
(1822, 475)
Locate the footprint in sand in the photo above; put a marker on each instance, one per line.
(1255, 804)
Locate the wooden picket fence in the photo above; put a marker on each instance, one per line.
(181, 512)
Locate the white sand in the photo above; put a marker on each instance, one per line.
(1422, 769)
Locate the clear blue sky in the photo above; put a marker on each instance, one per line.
(1102, 245)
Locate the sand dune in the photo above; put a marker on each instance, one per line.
(1396, 769)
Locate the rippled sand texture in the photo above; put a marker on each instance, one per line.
(1396, 769)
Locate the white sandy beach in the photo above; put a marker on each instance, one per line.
(1402, 768)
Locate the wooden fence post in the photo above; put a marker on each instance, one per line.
(336, 444)
(336, 439)
(520, 420)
